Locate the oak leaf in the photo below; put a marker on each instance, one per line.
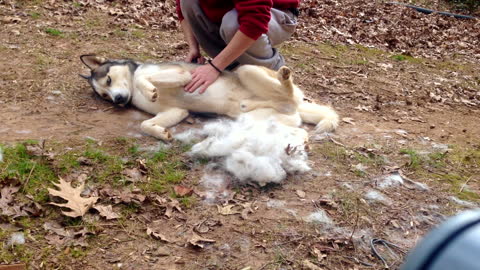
(77, 204)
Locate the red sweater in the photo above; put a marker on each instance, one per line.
(253, 15)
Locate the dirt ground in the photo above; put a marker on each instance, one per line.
(405, 157)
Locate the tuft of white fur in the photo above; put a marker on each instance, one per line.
(1, 155)
(324, 117)
(262, 151)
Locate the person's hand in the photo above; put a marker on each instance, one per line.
(194, 54)
(202, 77)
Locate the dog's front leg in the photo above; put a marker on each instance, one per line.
(157, 126)
(170, 78)
(147, 89)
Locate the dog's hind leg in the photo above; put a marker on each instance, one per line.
(267, 84)
(276, 89)
(157, 126)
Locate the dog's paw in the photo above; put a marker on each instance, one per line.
(284, 73)
(151, 95)
(166, 136)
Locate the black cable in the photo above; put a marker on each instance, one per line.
(430, 11)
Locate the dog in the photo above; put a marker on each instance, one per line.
(158, 89)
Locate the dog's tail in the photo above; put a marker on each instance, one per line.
(324, 117)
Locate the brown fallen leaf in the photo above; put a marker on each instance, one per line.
(182, 191)
(57, 229)
(227, 210)
(6, 198)
(157, 236)
(300, 193)
(206, 225)
(56, 240)
(106, 211)
(309, 265)
(173, 204)
(247, 209)
(134, 175)
(77, 204)
(198, 241)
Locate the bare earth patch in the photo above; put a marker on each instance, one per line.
(406, 156)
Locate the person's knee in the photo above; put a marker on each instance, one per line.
(229, 25)
(189, 7)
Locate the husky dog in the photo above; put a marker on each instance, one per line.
(159, 89)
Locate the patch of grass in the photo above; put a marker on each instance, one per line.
(166, 168)
(187, 202)
(15, 254)
(53, 32)
(128, 209)
(96, 155)
(415, 158)
(42, 61)
(332, 151)
(67, 162)
(369, 159)
(76, 4)
(407, 58)
(120, 33)
(35, 15)
(33, 173)
(26, 222)
(138, 33)
(78, 253)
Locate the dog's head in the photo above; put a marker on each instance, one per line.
(110, 79)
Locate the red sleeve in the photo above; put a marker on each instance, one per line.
(253, 16)
(179, 11)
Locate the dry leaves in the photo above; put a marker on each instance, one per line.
(386, 26)
(106, 211)
(198, 241)
(7, 207)
(157, 235)
(300, 193)
(232, 209)
(182, 191)
(228, 210)
(77, 204)
(122, 196)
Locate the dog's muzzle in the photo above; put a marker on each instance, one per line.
(119, 99)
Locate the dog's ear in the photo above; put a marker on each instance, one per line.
(84, 76)
(92, 61)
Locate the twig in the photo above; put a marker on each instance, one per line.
(465, 184)
(356, 223)
(265, 265)
(100, 225)
(28, 178)
(290, 241)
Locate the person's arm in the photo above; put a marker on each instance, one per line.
(205, 75)
(194, 49)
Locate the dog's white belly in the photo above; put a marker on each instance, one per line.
(222, 97)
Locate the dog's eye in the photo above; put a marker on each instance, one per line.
(109, 81)
(104, 95)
